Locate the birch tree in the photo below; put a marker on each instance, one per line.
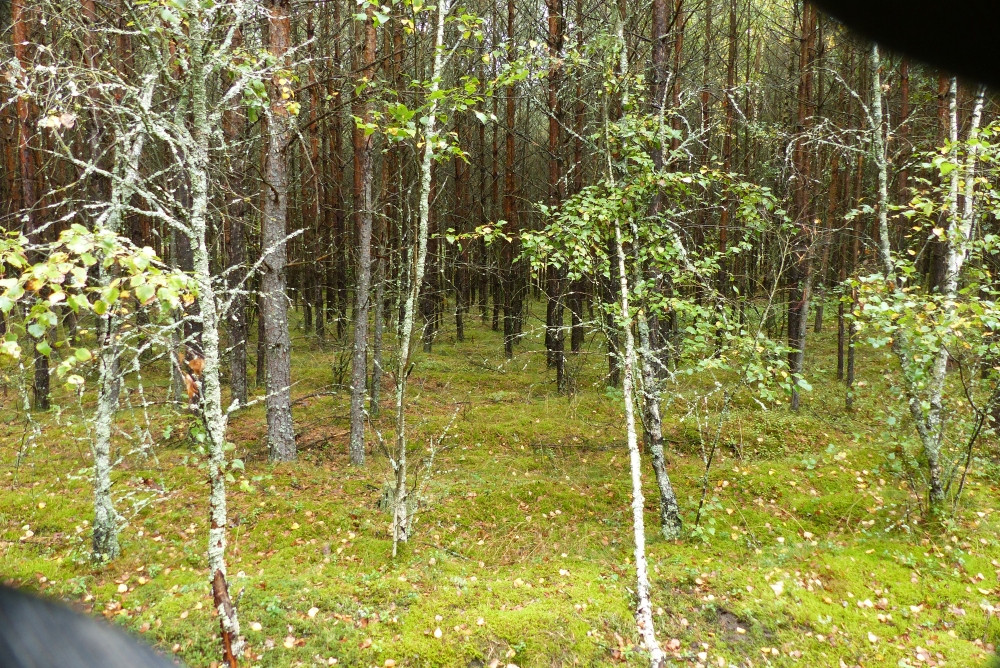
(400, 516)
(925, 328)
(643, 606)
(424, 125)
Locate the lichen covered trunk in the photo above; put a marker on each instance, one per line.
(670, 516)
(214, 417)
(400, 517)
(105, 538)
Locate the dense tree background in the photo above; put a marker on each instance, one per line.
(679, 186)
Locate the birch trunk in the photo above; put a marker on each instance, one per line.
(105, 538)
(643, 611)
(670, 516)
(401, 519)
(213, 414)
(926, 406)
(670, 520)
(378, 365)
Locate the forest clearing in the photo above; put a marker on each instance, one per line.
(497, 334)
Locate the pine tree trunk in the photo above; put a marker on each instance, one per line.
(29, 196)
(800, 272)
(234, 127)
(508, 255)
(274, 302)
(365, 35)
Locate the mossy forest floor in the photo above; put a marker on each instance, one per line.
(809, 553)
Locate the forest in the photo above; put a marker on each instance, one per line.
(569, 332)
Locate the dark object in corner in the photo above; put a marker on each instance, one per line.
(35, 633)
(959, 37)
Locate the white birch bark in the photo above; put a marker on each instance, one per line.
(105, 538)
(400, 517)
(643, 610)
(643, 606)
(926, 405)
(670, 516)
(213, 412)
(105, 545)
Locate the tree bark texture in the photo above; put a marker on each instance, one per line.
(274, 302)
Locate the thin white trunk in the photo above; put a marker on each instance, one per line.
(670, 517)
(881, 165)
(213, 412)
(105, 545)
(958, 237)
(377, 363)
(926, 405)
(643, 610)
(105, 538)
(400, 519)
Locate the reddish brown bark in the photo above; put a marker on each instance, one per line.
(678, 48)
(28, 180)
(799, 274)
(554, 336)
(510, 289)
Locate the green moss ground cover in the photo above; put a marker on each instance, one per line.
(810, 550)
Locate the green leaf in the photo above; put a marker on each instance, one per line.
(145, 293)
(43, 348)
(76, 302)
(83, 354)
(36, 330)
